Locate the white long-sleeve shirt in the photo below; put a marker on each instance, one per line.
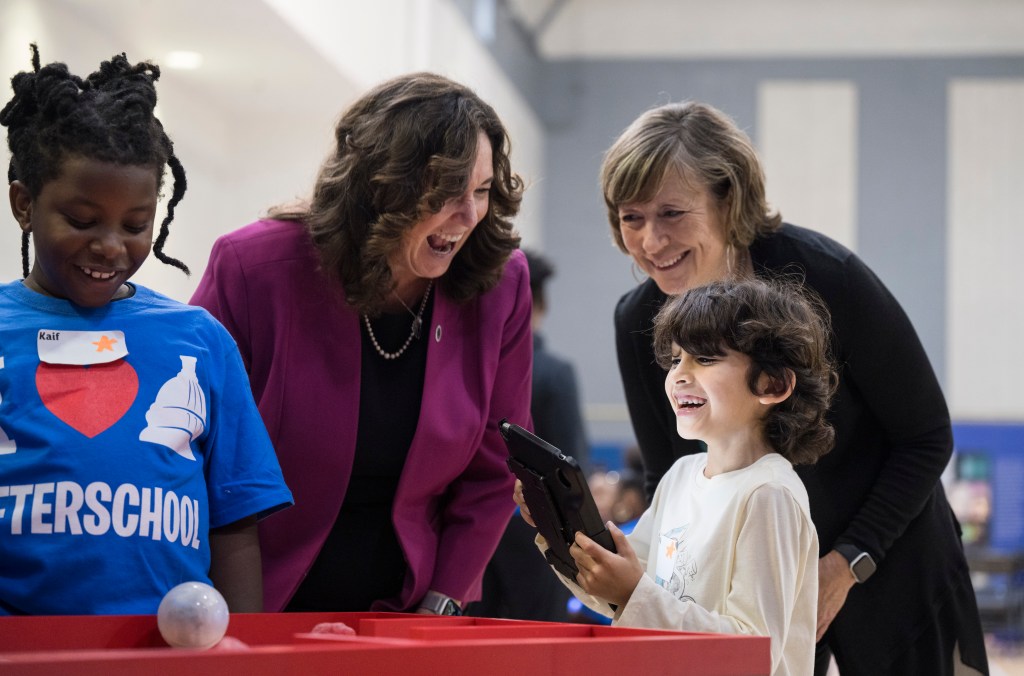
(736, 554)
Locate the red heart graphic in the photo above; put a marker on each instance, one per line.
(88, 398)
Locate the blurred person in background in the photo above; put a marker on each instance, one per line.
(517, 583)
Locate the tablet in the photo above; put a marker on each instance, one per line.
(557, 493)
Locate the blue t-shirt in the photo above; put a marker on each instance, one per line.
(127, 432)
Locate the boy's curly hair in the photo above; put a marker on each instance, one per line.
(782, 326)
(109, 117)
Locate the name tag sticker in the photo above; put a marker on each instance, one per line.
(80, 348)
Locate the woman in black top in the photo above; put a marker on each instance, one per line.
(686, 200)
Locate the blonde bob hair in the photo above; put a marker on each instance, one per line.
(701, 144)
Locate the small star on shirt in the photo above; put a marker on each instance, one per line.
(104, 343)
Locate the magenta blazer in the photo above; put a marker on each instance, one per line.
(301, 345)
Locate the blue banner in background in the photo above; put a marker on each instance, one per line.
(988, 491)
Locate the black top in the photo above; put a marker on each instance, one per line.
(361, 560)
(879, 487)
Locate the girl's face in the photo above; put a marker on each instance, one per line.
(92, 227)
(428, 248)
(712, 400)
(677, 238)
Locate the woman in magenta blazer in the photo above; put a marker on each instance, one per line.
(385, 326)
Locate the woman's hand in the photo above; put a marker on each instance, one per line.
(834, 583)
(609, 575)
(517, 495)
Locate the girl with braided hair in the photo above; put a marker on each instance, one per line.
(132, 456)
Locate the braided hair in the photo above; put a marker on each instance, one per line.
(107, 117)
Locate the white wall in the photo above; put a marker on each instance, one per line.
(20, 23)
(807, 141)
(985, 322)
(792, 28)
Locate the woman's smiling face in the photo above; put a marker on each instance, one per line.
(677, 237)
(427, 249)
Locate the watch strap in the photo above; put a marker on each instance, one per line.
(439, 604)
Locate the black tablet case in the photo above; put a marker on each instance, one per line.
(557, 493)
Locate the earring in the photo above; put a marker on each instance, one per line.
(638, 274)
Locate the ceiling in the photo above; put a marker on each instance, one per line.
(254, 59)
(662, 29)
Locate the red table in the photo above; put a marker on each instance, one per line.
(385, 643)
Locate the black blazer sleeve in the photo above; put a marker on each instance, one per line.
(903, 431)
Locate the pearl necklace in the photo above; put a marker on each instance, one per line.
(417, 324)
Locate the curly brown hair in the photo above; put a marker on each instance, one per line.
(403, 150)
(702, 144)
(783, 327)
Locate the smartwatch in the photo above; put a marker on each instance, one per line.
(861, 564)
(439, 604)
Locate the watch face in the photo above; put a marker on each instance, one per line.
(863, 566)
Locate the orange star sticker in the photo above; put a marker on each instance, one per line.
(104, 343)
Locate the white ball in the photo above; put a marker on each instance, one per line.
(192, 615)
